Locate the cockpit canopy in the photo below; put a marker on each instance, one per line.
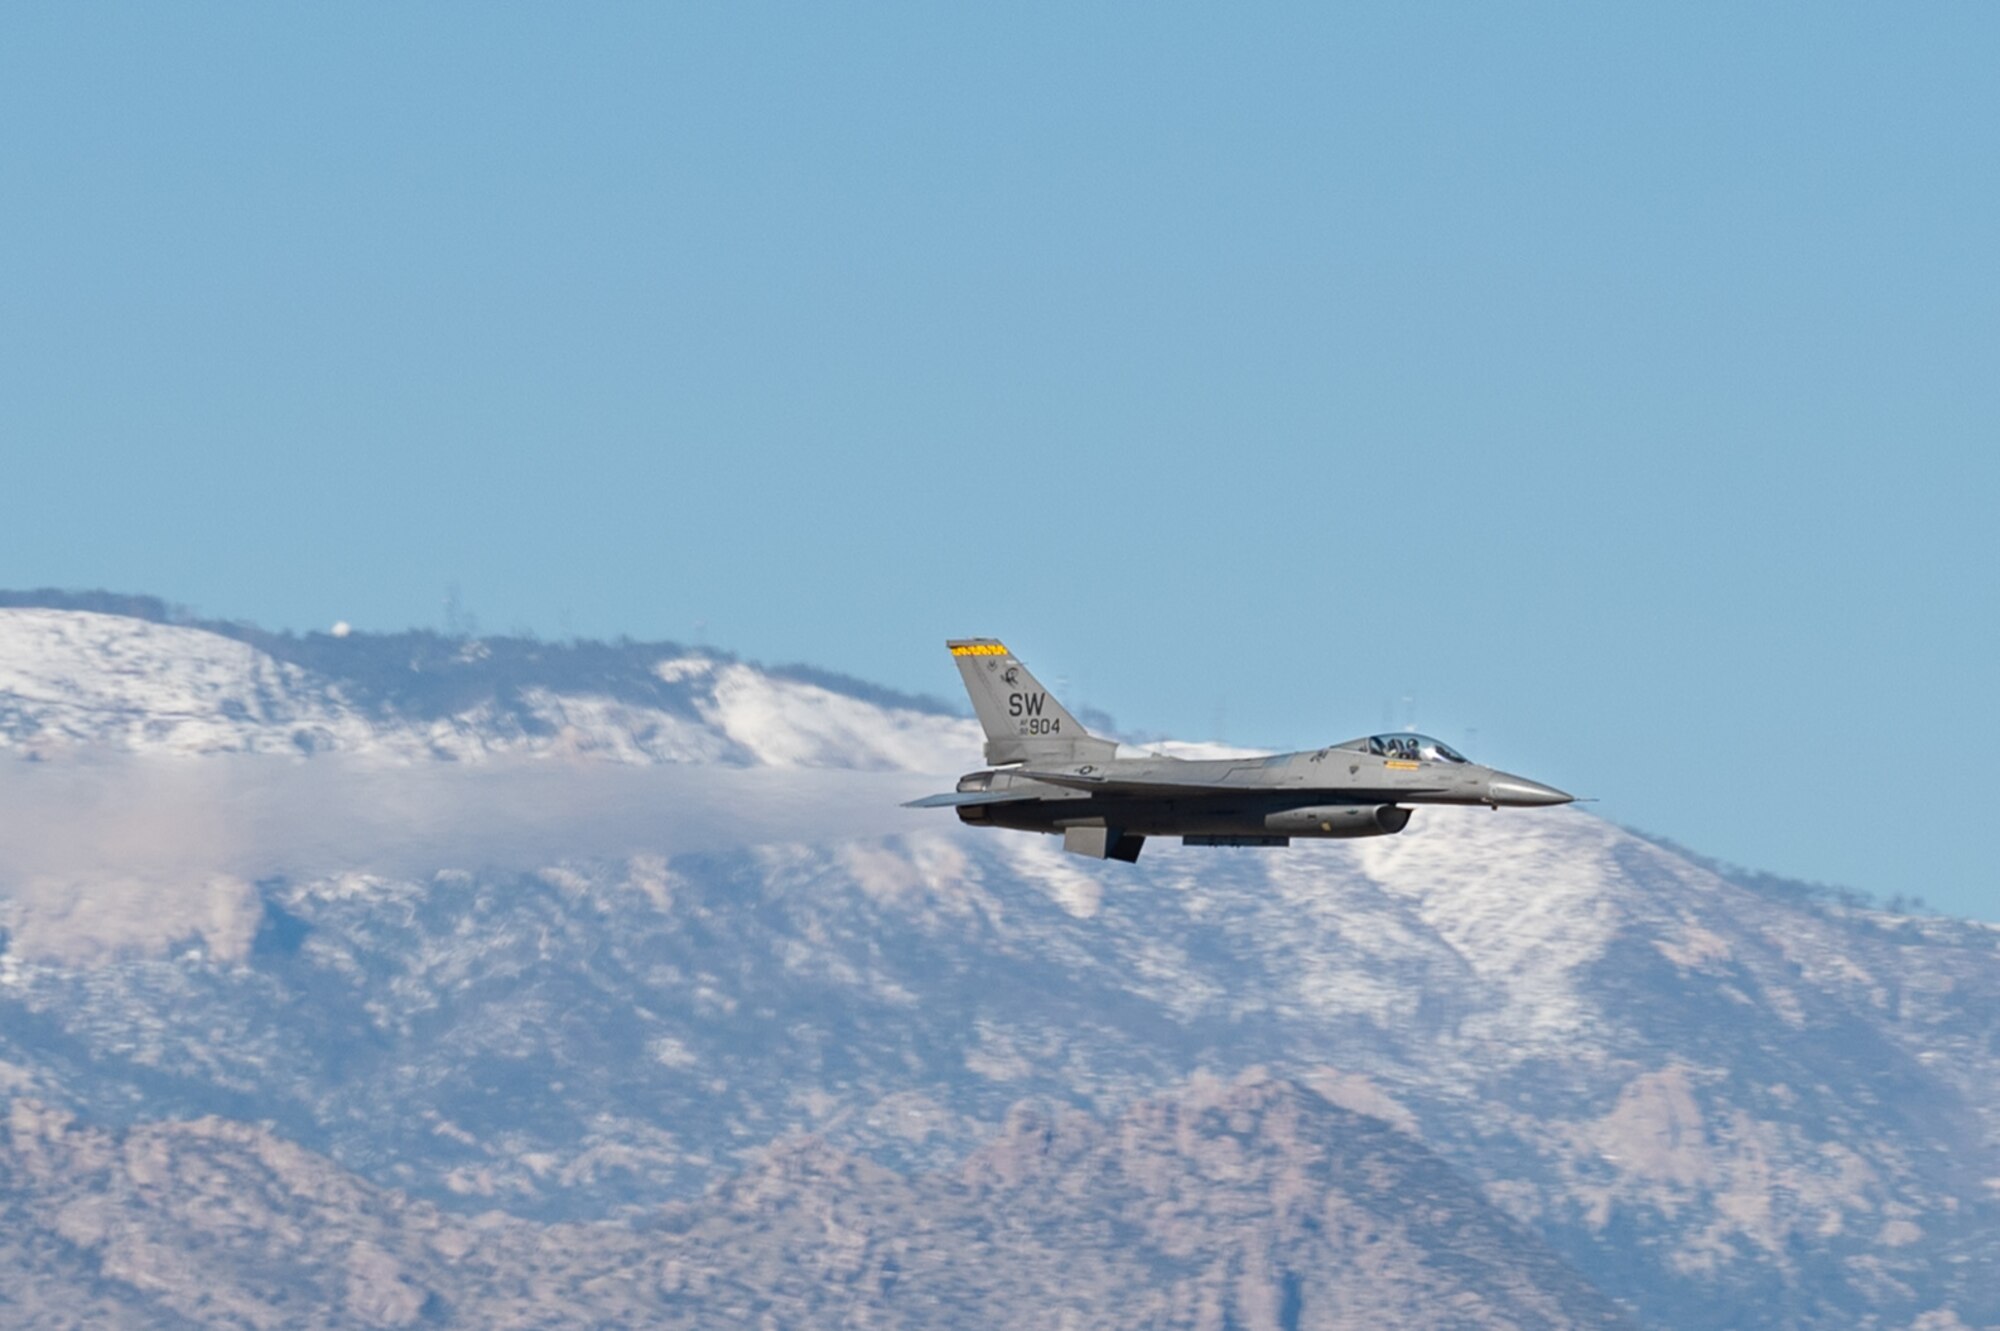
(1409, 748)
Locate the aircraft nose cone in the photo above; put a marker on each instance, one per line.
(1519, 792)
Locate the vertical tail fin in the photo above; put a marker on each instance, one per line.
(1023, 720)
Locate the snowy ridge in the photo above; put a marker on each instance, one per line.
(781, 723)
(1522, 901)
(73, 680)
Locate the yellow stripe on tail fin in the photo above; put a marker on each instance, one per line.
(1022, 720)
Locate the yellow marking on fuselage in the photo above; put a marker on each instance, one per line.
(1400, 766)
(980, 649)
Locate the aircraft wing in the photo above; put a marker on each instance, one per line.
(958, 799)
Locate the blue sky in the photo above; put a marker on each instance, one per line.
(1616, 384)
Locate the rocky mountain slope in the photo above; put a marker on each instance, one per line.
(1505, 1069)
(1256, 1204)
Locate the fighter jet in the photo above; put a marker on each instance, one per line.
(1058, 778)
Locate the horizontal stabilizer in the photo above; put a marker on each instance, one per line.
(958, 799)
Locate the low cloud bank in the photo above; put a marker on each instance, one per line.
(99, 857)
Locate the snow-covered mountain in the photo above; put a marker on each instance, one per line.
(1719, 1104)
(72, 678)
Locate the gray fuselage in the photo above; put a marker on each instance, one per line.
(1343, 790)
(1052, 775)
